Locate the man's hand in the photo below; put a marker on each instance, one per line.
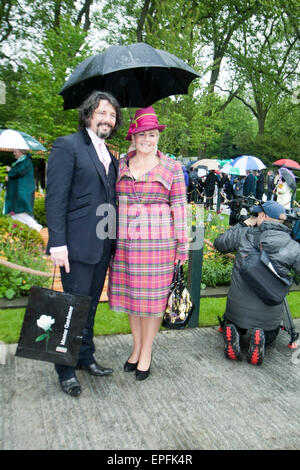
(61, 258)
(251, 222)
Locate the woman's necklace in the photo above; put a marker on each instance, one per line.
(139, 167)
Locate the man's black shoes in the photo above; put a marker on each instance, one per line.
(71, 387)
(95, 369)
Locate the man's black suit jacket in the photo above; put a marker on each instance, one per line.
(76, 186)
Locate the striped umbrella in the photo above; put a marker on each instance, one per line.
(230, 170)
(247, 162)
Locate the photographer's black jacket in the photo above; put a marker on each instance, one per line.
(243, 307)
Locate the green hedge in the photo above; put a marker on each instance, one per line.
(39, 211)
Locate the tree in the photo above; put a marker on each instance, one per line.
(40, 110)
(25, 23)
(265, 62)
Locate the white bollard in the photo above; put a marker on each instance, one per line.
(3, 352)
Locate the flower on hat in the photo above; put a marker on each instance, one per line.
(132, 127)
(145, 119)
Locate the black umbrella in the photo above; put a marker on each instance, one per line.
(137, 75)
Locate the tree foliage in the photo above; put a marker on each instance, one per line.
(246, 52)
(40, 108)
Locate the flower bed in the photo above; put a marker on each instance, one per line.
(23, 246)
(216, 268)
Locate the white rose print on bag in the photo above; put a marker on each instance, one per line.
(45, 322)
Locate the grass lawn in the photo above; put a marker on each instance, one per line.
(108, 322)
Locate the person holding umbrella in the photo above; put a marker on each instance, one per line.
(285, 187)
(81, 177)
(19, 197)
(151, 236)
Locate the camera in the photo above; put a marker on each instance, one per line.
(241, 208)
(293, 223)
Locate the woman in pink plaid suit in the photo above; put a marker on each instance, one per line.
(152, 236)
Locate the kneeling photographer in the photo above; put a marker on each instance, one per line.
(265, 232)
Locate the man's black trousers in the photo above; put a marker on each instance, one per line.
(85, 279)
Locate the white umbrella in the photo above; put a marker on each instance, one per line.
(247, 162)
(11, 139)
(210, 163)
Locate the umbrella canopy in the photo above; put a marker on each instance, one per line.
(289, 177)
(224, 162)
(211, 164)
(230, 170)
(11, 139)
(291, 164)
(137, 75)
(247, 162)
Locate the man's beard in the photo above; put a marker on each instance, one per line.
(104, 135)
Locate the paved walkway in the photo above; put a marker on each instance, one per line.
(193, 399)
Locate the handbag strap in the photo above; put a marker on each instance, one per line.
(178, 276)
(256, 244)
(53, 277)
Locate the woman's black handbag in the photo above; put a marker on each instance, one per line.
(260, 276)
(180, 306)
(52, 326)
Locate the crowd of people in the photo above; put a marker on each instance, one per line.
(262, 185)
(147, 193)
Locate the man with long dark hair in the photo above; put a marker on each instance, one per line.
(81, 177)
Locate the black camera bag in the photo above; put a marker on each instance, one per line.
(259, 274)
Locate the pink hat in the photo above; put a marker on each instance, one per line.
(145, 119)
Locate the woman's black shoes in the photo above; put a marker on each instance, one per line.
(142, 374)
(130, 366)
(139, 374)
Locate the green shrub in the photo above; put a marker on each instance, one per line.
(3, 173)
(217, 272)
(39, 211)
(20, 245)
(216, 268)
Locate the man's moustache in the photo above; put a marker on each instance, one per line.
(104, 124)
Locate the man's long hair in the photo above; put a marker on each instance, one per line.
(91, 103)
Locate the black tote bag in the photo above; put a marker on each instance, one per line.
(52, 326)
